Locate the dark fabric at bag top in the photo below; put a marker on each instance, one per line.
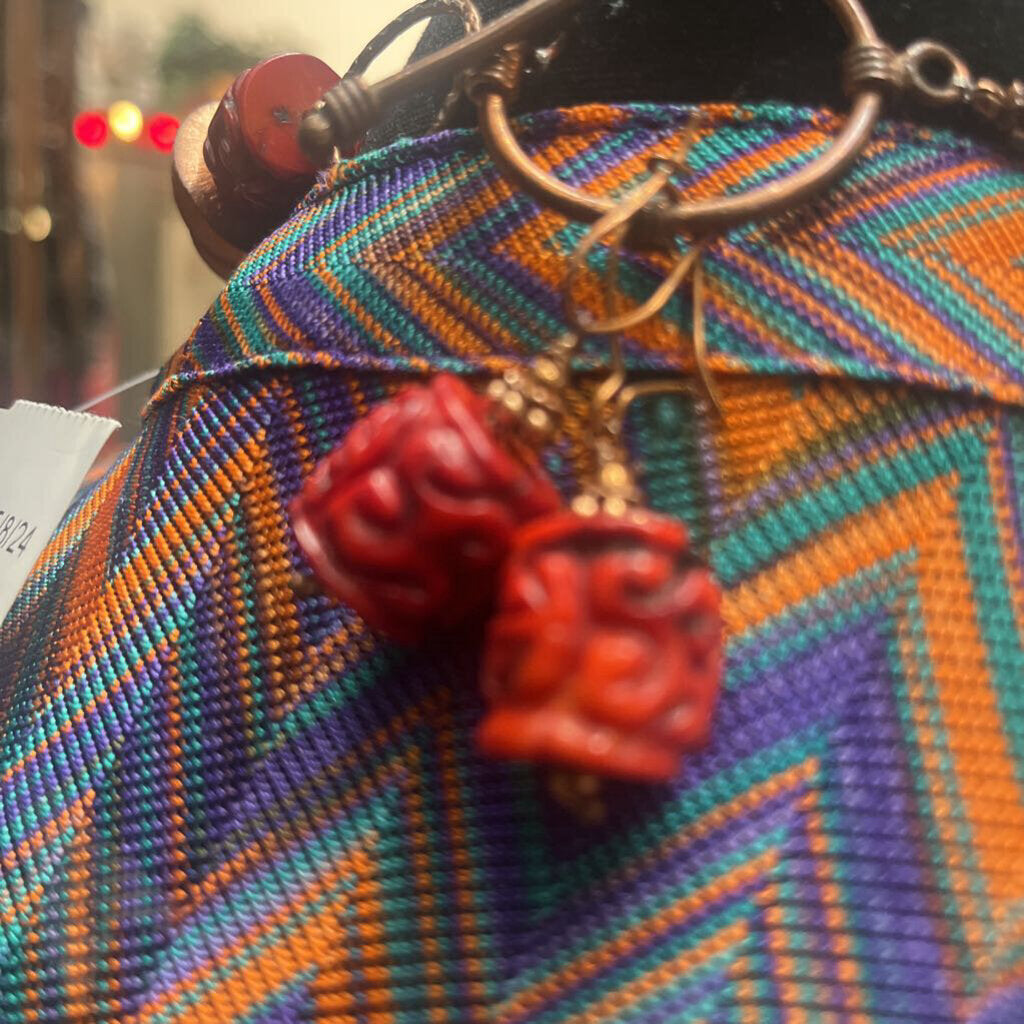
(657, 51)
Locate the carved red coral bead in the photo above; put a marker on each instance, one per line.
(605, 652)
(409, 519)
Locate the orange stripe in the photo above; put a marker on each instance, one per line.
(965, 909)
(114, 607)
(765, 426)
(462, 894)
(428, 189)
(750, 799)
(1001, 280)
(332, 987)
(1009, 541)
(744, 166)
(329, 279)
(888, 303)
(955, 223)
(237, 331)
(107, 492)
(426, 892)
(297, 225)
(745, 991)
(361, 316)
(720, 297)
(785, 968)
(251, 857)
(458, 328)
(876, 200)
(279, 317)
(879, 297)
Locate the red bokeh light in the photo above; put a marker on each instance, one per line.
(162, 130)
(90, 128)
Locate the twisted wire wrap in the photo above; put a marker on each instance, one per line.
(870, 66)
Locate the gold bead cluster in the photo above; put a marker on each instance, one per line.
(532, 395)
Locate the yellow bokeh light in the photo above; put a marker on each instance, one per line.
(125, 120)
(37, 223)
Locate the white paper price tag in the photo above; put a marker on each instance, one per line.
(45, 453)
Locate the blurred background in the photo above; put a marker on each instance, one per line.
(99, 281)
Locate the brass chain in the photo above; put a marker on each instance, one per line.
(933, 74)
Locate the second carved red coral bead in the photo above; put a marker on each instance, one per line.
(604, 655)
(409, 519)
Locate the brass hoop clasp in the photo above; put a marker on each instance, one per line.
(707, 215)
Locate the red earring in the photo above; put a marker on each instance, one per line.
(410, 518)
(603, 654)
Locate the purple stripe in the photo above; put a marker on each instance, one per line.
(880, 844)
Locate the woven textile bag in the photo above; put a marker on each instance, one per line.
(226, 801)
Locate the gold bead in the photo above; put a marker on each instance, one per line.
(514, 402)
(615, 477)
(616, 507)
(586, 505)
(540, 421)
(548, 371)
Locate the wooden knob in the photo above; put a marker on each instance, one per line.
(238, 167)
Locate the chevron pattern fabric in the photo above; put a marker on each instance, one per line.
(226, 800)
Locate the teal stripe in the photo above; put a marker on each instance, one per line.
(792, 319)
(654, 904)
(665, 440)
(808, 625)
(947, 202)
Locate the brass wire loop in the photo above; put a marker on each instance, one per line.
(706, 215)
(612, 486)
(616, 227)
(619, 224)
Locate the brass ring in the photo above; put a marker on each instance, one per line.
(706, 215)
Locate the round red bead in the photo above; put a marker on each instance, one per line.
(605, 652)
(252, 146)
(409, 520)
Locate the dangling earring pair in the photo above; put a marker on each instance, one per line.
(602, 652)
